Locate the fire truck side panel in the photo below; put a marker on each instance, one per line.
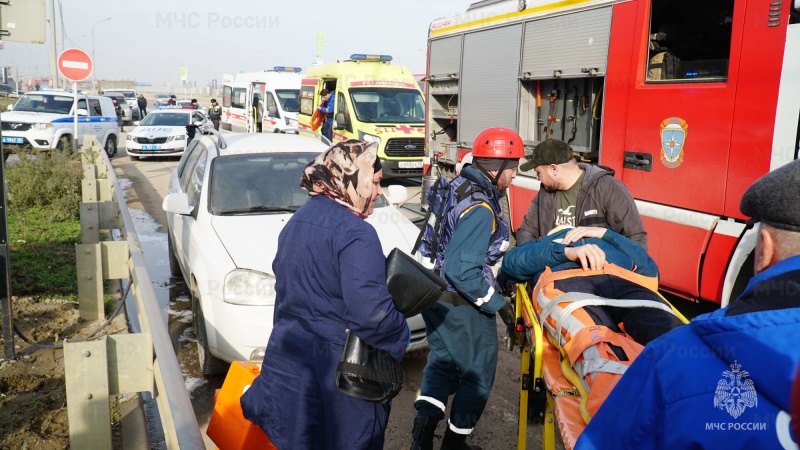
(616, 91)
(521, 194)
(489, 82)
(756, 101)
(702, 115)
(718, 256)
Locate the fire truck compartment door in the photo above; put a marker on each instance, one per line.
(445, 58)
(490, 83)
(573, 44)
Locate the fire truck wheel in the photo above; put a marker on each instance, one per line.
(745, 274)
(209, 364)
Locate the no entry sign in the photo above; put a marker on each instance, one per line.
(74, 64)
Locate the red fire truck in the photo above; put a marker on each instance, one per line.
(688, 102)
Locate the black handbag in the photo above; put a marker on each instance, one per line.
(368, 373)
(413, 286)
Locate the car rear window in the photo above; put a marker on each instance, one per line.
(165, 120)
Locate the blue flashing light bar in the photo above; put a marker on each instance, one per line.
(363, 57)
(287, 69)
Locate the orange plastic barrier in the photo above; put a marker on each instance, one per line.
(228, 428)
(317, 119)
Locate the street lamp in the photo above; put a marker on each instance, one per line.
(94, 63)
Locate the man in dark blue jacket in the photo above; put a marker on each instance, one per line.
(327, 108)
(724, 380)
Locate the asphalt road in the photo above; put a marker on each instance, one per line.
(497, 428)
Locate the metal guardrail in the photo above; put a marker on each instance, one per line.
(132, 363)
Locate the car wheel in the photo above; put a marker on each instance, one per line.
(174, 266)
(111, 146)
(64, 142)
(209, 364)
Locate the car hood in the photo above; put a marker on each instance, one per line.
(30, 117)
(159, 131)
(250, 246)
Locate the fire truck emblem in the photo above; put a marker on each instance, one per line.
(673, 138)
(735, 392)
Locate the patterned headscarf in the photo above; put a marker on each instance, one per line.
(344, 173)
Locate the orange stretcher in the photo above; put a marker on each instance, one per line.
(548, 384)
(228, 428)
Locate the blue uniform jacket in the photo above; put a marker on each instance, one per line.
(328, 109)
(530, 259)
(465, 255)
(721, 382)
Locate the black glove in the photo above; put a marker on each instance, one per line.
(507, 314)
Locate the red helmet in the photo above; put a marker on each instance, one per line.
(498, 142)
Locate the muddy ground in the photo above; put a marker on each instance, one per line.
(33, 398)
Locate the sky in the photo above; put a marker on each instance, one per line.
(149, 40)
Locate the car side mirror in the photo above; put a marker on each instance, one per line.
(272, 111)
(136, 123)
(82, 112)
(177, 203)
(9, 107)
(198, 122)
(396, 194)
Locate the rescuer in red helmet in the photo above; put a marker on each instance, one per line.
(467, 239)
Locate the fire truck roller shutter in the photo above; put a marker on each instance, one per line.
(445, 57)
(490, 84)
(569, 43)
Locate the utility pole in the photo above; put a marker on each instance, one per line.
(63, 33)
(53, 63)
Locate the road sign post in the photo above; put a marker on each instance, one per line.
(75, 65)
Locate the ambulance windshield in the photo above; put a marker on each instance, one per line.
(388, 105)
(289, 99)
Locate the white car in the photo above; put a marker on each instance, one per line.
(163, 132)
(227, 201)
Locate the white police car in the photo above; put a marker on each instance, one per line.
(163, 132)
(44, 121)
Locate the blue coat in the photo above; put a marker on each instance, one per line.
(530, 259)
(330, 276)
(721, 382)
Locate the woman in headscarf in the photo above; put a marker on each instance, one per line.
(330, 277)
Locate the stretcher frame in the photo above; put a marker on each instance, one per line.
(541, 376)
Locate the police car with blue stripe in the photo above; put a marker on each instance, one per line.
(43, 120)
(163, 132)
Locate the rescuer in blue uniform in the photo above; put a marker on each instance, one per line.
(468, 244)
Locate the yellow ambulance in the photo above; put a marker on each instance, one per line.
(373, 101)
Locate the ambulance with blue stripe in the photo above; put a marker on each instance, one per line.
(44, 121)
(373, 101)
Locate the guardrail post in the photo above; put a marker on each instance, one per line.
(95, 370)
(97, 261)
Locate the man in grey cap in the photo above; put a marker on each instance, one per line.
(724, 380)
(576, 194)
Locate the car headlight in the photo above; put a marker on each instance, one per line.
(178, 138)
(42, 126)
(291, 122)
(247, 287)
(130, 138)
(369, 138)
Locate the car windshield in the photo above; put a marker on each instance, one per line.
(45, 103)
(169, 119)
(289, 99)
(388, 105)
(260, 183)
